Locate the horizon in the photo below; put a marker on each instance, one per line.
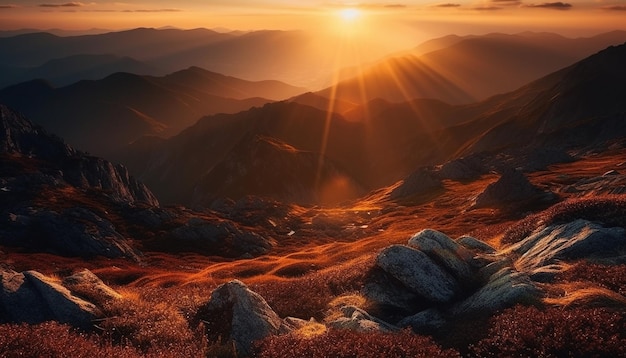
(371, 31)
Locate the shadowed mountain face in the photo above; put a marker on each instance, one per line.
(101, 116)
(465, 70)
(380, 142)
(67, 70)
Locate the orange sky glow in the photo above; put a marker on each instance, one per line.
(380, 27)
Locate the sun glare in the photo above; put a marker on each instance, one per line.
(349, 14)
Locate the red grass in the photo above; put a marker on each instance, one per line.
(555, 332)
(611, 277)
(340, 344)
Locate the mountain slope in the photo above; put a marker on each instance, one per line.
(471, 69)
(101, 116)
(381, 142)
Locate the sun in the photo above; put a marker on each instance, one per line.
(349, 14)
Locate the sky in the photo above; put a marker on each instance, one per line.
(394, 24)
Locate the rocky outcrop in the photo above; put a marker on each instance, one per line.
(18, 136)
(236, 313)
(512, 188)
(71, 232)
(434, 279)
(220, 237)
(571, 241)
(462, 169)
(31, 297)
(421, 182)
(86, 283)
(356, 319)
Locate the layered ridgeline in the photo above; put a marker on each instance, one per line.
(101, 116)
(58, 200)
(378, 143)
(468, 69)
(290, 56)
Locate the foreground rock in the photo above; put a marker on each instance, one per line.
(31, 297)
(575, 240)
(238, 314)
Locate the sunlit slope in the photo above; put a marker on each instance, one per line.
(470, 69)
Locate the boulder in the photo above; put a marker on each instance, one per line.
(504, 289)
(575, 240)
(512, 187)
(474, 244)
(420, 182)
(31, 297)
(356, 319)
(453, 257)
(424, 322)
(88, 283)
(236, 313)
(386, 294)
(419, 273)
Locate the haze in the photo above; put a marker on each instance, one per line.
(380, 28)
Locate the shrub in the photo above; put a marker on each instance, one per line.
(554, 332)
(52, 339)
(343, 343)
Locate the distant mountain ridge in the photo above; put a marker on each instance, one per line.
(468, 69)
(102, 116)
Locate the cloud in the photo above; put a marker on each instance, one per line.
(8, 6)
(447, 5)
(487, 8)
(552, 5)
(507, 2)
(67, 4)
(153, 10)
(615, 8)
(395, 6)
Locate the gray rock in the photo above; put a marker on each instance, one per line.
(474, 244)
(236, 313)
(425, 322)
(384, 294)
(575, 240)
(423, 181)
(418, 273)
(486, 272)
(445, 251)
(505, 288)
(31, 297)
(356, 319)
(86, 280)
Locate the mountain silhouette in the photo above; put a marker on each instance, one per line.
(471, 68)
(101, 116)
(287, 56)
(67, 70)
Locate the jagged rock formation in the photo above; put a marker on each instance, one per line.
(422, 181)
(19, 137)
(31, 297)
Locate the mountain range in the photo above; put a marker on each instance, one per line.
(460, 70)
(381, 142)
(102, 116)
